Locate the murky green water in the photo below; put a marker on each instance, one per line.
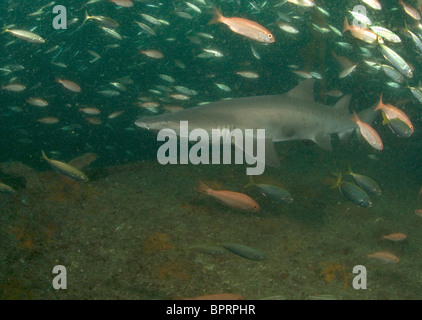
(133, 230)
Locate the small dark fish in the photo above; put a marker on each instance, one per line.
(243, 251)
(355, 194)
(209, 249)
(366, 183)
(275, 193)
(399, 127)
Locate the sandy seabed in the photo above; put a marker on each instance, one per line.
(142, 231)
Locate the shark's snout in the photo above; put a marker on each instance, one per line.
(142, 124)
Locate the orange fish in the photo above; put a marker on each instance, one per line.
(232, 199)
(394, 237)
(360, 33)
(369, 133)
(410, 10)
(384, 256)
(391, 112)
(247, 28)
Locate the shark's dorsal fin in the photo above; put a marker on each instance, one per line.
(304, 91)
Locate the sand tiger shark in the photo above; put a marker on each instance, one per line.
(291, 116)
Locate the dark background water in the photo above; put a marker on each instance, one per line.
(128, 232)
(117, 140)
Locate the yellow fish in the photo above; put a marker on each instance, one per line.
(6, 188)
(65, 168)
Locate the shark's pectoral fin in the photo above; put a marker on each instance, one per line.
(271, 157)
(323, 140)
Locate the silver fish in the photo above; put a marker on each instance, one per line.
(397, 61)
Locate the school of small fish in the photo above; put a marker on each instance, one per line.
(212, 43)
